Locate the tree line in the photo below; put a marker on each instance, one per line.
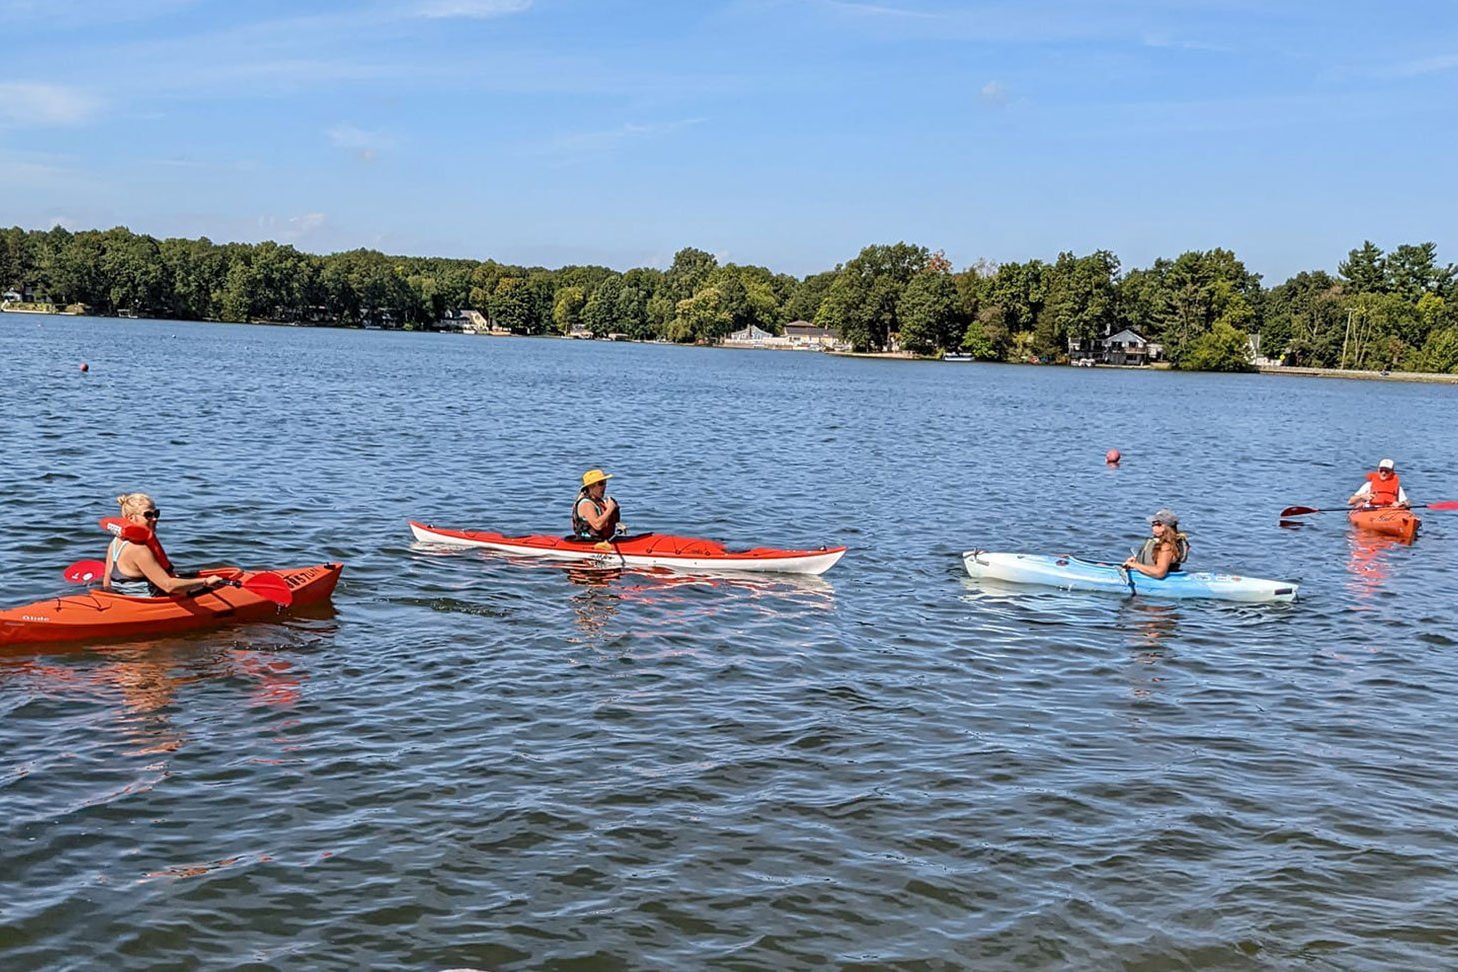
(1395, 310)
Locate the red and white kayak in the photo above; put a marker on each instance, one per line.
(685, 554)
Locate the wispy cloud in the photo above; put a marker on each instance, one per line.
(1419, 67)
(1162, 39)
(994, 93)
(472, 9)
(365, 145)
(65, 14)
(574, 143)
(35, 103)
(292, 229)
(878, 9)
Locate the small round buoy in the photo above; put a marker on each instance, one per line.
(1112, 457)
(85, 366)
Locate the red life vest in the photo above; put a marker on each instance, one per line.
(136, 533)
(1384, 491)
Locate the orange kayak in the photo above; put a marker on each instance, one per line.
(99, 614)
(1392, 521)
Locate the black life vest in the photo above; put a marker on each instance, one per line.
(580, 526)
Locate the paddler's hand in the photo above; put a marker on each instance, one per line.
(216, 580)
(1129, 563)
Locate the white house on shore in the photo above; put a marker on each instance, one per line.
(798, 336)
(1124, 347)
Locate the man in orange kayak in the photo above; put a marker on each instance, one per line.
(1382, 488)
(595, 515)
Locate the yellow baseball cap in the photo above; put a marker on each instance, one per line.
(594, 476)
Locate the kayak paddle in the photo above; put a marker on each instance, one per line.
(1304, 510)
(84, 571)
(266, 584)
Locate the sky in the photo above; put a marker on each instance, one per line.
(787, 133)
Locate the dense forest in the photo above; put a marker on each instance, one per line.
(1394, 310)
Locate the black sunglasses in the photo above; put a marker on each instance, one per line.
(152, 515)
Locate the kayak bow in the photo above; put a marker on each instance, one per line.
(1073, 574)
(100, 614)
(684, 554)
(1392, 521)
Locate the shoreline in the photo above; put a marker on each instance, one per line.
(1420, 377)
(1415, 377)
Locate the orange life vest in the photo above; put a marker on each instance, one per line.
(136, 533)
(1384, 491)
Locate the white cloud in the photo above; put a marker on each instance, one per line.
(602, 140)
(1161, 39)
(364, 144)
(35, 103)
(293, 229)
(878, 10)
(473, 9)
(994, 93)
(1421, 67)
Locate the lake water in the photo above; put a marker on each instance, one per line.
(469, 762)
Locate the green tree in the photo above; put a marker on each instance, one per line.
(600, 316)
(1081, 295)
(702, 318)
(1222, 348)
(1440, 352)
(929, 314)
(861, 302)
(1365, 269)
(567, 309)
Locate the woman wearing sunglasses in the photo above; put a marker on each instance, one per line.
(1166, 549)
(136, 564)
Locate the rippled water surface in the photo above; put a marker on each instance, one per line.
(470, 762)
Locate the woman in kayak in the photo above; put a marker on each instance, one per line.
(595, 515)
(139, 567)
(1165, 550)
(1382, 488)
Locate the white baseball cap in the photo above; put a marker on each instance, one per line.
(1386, 464)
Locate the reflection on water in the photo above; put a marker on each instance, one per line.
(497, 764)
(143, 680)
(687, 602)
(1369, 564)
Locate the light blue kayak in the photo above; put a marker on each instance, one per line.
(1073, 574)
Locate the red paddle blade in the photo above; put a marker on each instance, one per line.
(269, 586)
(1298, 511)
(1444, 505)
(84, 571)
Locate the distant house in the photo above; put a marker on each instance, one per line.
(1129, 347)
(11, 295)
(749, 337)
(804, 336)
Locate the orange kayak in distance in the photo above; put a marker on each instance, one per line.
(96, 614)
(1391, 521)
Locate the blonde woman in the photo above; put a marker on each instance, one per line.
(136, 564)
(1165, 550)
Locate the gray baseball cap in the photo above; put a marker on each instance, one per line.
(1165, 516)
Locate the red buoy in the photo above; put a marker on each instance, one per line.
(1112, 457)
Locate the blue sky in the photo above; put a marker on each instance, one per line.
(782, 132)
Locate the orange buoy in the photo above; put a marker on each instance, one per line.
(1112, 457)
